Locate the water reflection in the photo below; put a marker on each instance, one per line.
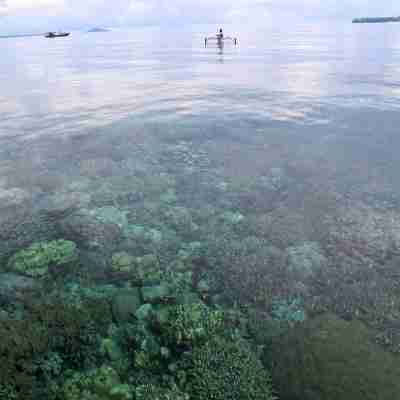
(57, 87)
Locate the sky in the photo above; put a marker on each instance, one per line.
(23, 16)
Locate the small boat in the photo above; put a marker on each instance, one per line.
(56, 34)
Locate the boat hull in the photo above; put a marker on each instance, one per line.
(56, 35)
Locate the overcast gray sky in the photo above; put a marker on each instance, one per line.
(40, 15)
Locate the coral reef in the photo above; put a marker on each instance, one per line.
(223, 369)
(192, 324)
(290, 311)
(329, 358)
(199, 250)
(13, 286)
(90, 232)
(102, 383)
(125, 304)
(153, 392)
(51, 335)
(249, 270)
(36, 260)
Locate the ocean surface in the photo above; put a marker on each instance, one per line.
(268, 170)
(301, 74)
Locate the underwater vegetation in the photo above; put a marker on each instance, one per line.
(329, 358)
(52, 336)
(180, 271)
(101, 383)
(155, 339)
(222, 369)
(36, 260)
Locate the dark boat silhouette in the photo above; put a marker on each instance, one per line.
(56, 34)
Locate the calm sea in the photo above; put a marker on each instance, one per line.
(303, 74)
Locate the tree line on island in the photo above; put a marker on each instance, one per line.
(375, 20)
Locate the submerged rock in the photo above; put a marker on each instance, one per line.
(145, 312)
(329, 359)
(125, 305)
(156, 294)
(13, 285)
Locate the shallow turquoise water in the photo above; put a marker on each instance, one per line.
(322, 94)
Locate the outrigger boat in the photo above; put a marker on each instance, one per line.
(56, 34)
(220, 39)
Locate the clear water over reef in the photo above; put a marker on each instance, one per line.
(169, 210)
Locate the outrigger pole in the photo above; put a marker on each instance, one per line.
(234, 40)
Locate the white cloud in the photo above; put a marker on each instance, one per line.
(30, 7)
(75, 13)
(3, 7)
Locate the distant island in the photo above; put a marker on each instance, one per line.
(94, 30)
(376, 20)
(21, 35)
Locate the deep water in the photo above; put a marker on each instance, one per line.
(174, 217)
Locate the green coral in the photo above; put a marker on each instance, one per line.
(50, 365)
(193, 323)
(144, 269)
(148, 269)
(145, 361)
(146, 346)
(100, 384)
(111, 348)
(115, 354)
(8, 392)
(154, 392)
(123, 262)
(36, 260)
(227, 370)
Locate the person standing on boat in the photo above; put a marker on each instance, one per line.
(219, 37)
